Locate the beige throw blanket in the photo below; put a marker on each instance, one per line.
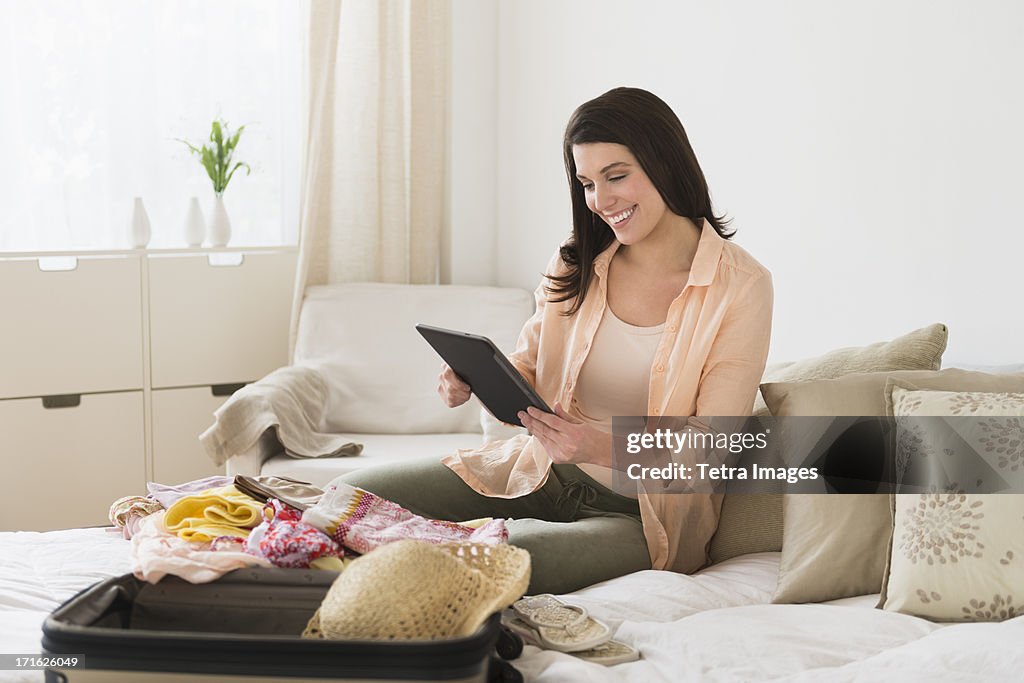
(292, 399)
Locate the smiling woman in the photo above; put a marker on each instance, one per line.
(647, 309)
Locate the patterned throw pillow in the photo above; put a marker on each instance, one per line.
(959, 556)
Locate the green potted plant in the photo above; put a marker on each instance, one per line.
(217, 157)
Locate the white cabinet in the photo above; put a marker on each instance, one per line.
(74, 330)
(110, 370)
(65, 465)
(218, 324)
(179, 417)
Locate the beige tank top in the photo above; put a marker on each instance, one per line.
(615, 378)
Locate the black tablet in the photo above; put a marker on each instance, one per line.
(487, 371)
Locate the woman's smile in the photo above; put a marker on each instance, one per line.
(621, 218)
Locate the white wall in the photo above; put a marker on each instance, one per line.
(469, 256)
(870, 152)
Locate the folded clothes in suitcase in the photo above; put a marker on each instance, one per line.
(245, 626)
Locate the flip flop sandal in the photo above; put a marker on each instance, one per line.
(607, 654)
(547, 610)
(610, 653)
(585, 634)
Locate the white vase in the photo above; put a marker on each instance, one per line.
(220, 225)
(140, 228)
(195, 226)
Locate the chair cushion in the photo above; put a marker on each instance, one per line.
(378, 449)
(382, 375)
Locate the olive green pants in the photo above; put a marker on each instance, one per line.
(577, 531)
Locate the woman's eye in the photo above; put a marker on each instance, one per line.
(616, 179)
(587, 187)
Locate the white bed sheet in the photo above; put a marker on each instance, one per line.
(39, 571)
(714, 626)
(718, 625)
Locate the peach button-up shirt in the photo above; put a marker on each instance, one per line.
(709, 363)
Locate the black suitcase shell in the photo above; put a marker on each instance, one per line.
(245, 625)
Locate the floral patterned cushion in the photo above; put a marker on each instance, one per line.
(956, 555)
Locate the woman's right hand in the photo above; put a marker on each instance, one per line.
(452, 390)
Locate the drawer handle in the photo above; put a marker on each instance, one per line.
(222, 260)
(226, 389)
(62, 401)
(57, 263)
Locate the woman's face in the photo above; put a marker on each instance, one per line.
(617, 189)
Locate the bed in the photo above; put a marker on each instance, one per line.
(714, 626)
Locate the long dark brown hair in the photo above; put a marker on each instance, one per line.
(650, 129)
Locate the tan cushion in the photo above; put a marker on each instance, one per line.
(957, 556)
(866, 394)
(753, 524)
(749, 523)
(833, 546)
(918, 350)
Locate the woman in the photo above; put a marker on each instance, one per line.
(647, 309)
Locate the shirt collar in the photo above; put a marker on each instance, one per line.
(709, 253)
(705, 261)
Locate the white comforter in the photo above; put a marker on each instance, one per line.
(39, 571)
(715, 626)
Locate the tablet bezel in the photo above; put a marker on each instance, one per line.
(489, 373)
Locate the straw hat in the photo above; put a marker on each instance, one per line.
(413, 590)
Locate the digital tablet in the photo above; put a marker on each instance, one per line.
(488, 372)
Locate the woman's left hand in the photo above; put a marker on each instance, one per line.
(566, 439)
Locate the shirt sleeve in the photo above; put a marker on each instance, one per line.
(738, 354)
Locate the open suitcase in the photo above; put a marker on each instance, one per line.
(244, 627)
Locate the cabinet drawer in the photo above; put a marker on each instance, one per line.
(65, 466)
(70, 330)
(219, 324)
(179, 417)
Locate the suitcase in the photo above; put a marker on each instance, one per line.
(246, 626)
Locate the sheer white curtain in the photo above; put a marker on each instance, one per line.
(95, 91)
(373, 187)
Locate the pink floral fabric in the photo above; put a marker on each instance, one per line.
(361, 521)
(286, 541)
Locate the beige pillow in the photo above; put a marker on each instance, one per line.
(833, 546)
(957, 556)
(753, 523)
(867, 393)
(918, 350)
(748, 523)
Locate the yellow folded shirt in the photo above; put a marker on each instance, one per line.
(223, 511)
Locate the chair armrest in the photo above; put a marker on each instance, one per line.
(250, 462)
(289, 401)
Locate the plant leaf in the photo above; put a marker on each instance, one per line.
(192, 148)
(240, 163)
(217, 156)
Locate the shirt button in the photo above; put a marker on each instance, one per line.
(657, 411)
(660, 368)
(671, 328)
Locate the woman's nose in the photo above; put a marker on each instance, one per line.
(603, 199)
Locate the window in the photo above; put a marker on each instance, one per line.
(93, 94)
